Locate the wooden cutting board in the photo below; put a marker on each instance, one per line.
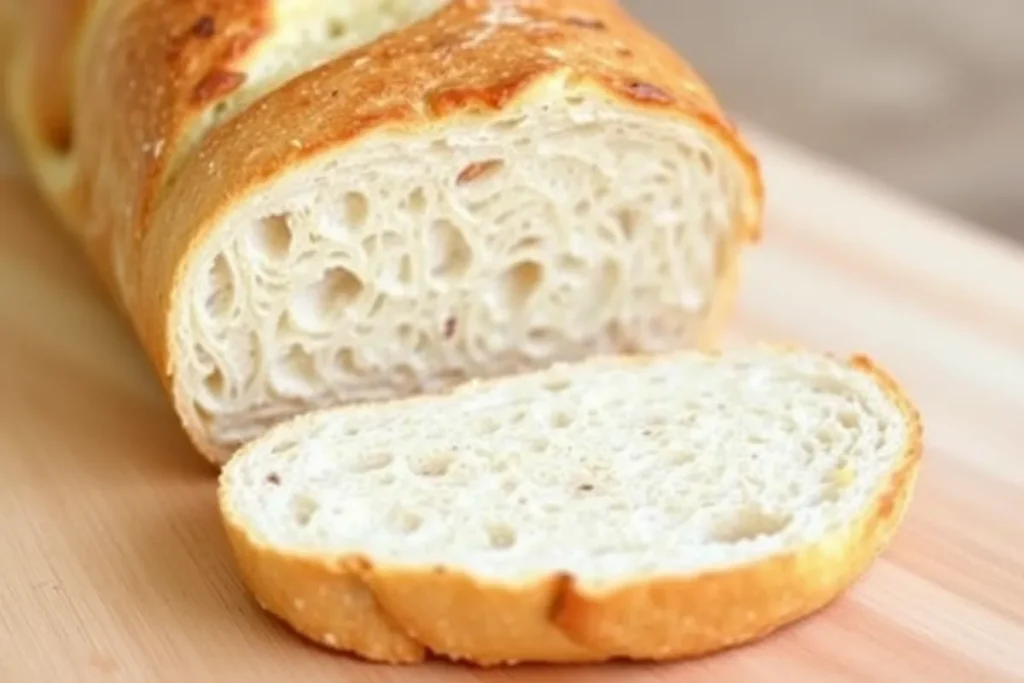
(113, 566)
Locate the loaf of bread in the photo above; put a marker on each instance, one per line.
(621, 507)
(304, 203)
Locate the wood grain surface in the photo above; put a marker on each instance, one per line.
(113, 566)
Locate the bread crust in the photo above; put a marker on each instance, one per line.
(106, 104)
(554, 619)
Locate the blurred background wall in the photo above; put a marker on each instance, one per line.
(926, 95)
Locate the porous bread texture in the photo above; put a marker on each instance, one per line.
(623, 507)
(606, 470)
(560, 228)
(573, 171)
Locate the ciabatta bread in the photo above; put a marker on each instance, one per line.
(619, 508)
(301, 203)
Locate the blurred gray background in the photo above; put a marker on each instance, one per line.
(925, 95)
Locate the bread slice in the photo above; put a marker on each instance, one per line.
(643, 508)
(301, 203)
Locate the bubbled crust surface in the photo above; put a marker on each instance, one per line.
(145, 70)
(407, 614)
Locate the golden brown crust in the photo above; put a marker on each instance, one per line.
(142, 193)
(328, 603)
(552, 619)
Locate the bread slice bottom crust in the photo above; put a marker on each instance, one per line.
(403, 616)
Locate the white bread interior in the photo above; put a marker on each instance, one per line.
(615, 472)
(564, 226)
(597, 202)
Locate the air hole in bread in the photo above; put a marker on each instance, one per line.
(345, 360)
(540, 444)
(572, 265)
(303, 509)
(403, 272)
(748, 524)
(221, 299)
(357, 209)
(433, 465)
(828, 385)
(681, 457)
(285, 447)
(526, 247)
(372, 461)
(480, 171)
(556, 385)
(375, 306)
(202, 356)
(626, 222)
(707, 161)
(501, 536)
(541, 341)
(320, 304)
(849, 419)
(405, 521)
(272, 237)
(202, 411)
(518, 284)
(450, 255)
(335, 28)
(825, 437)
(407, 334)
(582, 208)
(298, 372)
(508, 124)
(416, 202)
(561, 419)
(215, 383)
(423, 339)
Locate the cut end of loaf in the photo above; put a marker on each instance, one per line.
(561, 227)
(613, 472)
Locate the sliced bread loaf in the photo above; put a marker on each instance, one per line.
(644, 508)
(316, 202)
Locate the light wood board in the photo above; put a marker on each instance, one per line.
(113, 566)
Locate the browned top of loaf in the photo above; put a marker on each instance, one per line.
(146, 69)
